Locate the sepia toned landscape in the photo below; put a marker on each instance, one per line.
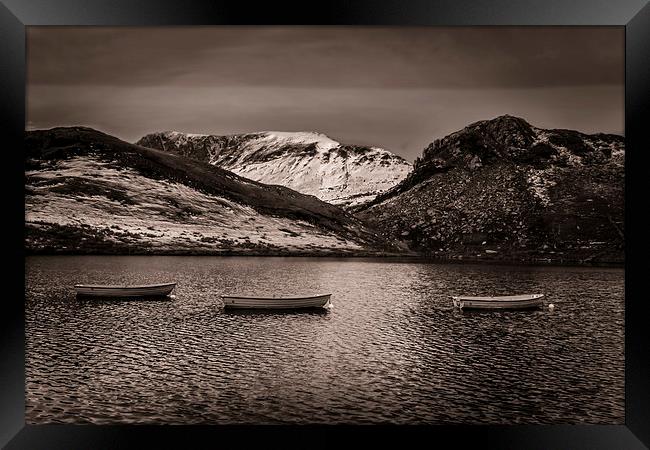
(325, 225)
(498, 189)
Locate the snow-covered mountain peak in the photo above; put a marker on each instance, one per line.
(322, 141)
(307, 161)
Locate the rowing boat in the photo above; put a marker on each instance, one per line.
(499, 302)
(316, 301)
(149, 290)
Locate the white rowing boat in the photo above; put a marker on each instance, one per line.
(502, 302)
(316, 301)
(149, 290)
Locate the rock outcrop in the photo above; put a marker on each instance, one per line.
(503, 189)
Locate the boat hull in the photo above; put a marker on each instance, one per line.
(234, 302)
(156, 290)
(505, 302)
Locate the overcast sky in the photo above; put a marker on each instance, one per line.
(393, 87)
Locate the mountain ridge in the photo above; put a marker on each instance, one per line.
(503, 189)
(78, 168)
(498, 189)
(309, 162)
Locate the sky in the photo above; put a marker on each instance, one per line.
(398, 88)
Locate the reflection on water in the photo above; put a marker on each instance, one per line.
(279, 312)
(391, 350)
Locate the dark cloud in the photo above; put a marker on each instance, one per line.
(394, 87)
(327, 56)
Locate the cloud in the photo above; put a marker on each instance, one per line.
(379, 57)
(395, 87)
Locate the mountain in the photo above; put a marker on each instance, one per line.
(93, 193)
(504, 189)
(308, 162)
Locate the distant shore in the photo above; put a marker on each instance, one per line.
(402, 257)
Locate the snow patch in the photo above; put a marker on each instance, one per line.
(275, 157)
(539, 186)
(281, 138)
(164, 214)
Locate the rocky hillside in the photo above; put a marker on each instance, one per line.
(308, 162)
(90, 192)
(503, 189)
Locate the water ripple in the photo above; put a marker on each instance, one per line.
(391, 350)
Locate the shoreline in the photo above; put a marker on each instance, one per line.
(398, 257)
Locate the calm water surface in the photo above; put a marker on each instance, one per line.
(391, 350)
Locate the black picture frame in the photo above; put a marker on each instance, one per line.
(634, 15)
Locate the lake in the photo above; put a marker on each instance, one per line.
(392, 349)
